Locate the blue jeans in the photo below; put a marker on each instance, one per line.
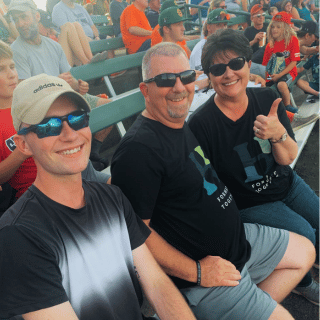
(297, 212)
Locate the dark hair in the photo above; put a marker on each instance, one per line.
(295, 3)
(224, 41)
(161, 31)
(301, 34)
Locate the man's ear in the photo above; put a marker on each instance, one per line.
(22, 145)
(166, 29)
(144, 89)
(37, 16)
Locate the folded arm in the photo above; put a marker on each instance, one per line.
(215, 271)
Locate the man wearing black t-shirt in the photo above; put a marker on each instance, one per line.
(225, 270)
(254, 34)
(71, 249)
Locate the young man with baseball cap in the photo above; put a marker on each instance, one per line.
(171, 27)
(71, 249)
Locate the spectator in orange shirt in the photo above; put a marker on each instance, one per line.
(172, 28)
(135, 28)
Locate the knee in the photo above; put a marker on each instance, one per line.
(306, 253)
(282, 86)
(76, 24)
(66, 26)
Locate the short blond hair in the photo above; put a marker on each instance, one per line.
(5, 51)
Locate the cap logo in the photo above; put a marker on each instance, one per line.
(179, 13)
(47, 86)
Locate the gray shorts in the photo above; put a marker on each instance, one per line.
(245, 301)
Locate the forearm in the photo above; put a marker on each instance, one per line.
(10, 165)
(158, 288)
(254, 41)
(74, 84)
(172, 261)
(309, 50)
(288, 68)
(137, 31)
(286, 151)
(95, 31)
(202, 84)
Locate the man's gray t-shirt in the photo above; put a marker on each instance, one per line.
(31, 60)
(62, 14)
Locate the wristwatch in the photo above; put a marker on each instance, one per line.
(282, 138)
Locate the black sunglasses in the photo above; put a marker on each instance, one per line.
(49, 127)
(234, 64)
(223, 7)
(169, 79)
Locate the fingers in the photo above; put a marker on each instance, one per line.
(274, 108)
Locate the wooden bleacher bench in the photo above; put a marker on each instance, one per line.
(106, 44)
(102, 24)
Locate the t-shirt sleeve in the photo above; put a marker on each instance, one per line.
(131, 164)
(64, 64)
(22, 65)
(295, 49)
(267, 55)
(138, 231)
(115, 11)
(30, 277)
(90, 22)
(90, 174)
(59, 17)
(283, 118)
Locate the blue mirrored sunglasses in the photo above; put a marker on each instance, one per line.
(49, 127)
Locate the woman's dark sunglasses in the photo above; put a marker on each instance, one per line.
(49, 127)
(234, 64)
(223, 7)
(169, 79)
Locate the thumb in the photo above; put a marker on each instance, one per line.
(274, 108)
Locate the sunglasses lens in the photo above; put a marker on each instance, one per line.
(165, 80)
(78, 122)
(236, 64)
(51, 128)
(218, 69)
(187, 76)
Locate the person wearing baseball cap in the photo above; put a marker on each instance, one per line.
(308, 35)
(78, 237)
(257, 31)
(171, 27)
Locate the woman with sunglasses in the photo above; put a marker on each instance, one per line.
(246, 135)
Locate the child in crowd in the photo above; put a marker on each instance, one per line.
(311, 87)
(281, 55)
(17, 171)
(273, 11)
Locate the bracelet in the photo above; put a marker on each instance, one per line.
(199, 273)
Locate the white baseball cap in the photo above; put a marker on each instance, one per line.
(33, 97)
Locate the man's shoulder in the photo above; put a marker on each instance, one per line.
(26, 203)
(17, 43)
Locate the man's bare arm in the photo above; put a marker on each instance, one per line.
(137, 31)
(215, 271)
(61, 311)
(158, 288)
